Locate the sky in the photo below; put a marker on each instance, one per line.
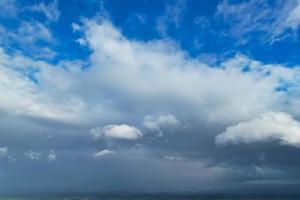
(149, 96)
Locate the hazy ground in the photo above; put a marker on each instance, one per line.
(157, 197)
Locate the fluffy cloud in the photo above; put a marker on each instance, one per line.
(3, 151)
(122, 131)
(166, 78)
(103, 153)
(268, 127)
(51, 156)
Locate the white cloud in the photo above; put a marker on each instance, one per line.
(103, 153)
(76, 27)
(51, 156)
(151, 77)
(271, 126)
(122, 131)
(33, 155)
(3, 151)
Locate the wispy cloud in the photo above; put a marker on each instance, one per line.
(273, 21)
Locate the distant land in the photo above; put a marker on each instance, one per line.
(163, 196)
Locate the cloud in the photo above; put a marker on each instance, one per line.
(172, 16)
(166, 78)
(122, 131)
(3, 151)
(293, 19)
(123, 81)
(271, 126)
(31, 32)
(174, 158)
(33, 155)
(158, 122)
(15, 72)
(51, 156)
(273, 21)
(32, 37)
(103, 153)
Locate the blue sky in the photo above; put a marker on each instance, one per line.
(196, 26)
(149, 96)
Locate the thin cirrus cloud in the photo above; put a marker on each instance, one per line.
(275, 20)
(50, 10)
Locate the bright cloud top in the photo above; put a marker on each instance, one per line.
(268, 127)
(103, 153)
(122, 131)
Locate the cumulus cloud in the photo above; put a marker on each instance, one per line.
(3, 151)
(166, 78)
(122, 131)
(103, 153)
(33, 155)
(51, 156)
(276, 126)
